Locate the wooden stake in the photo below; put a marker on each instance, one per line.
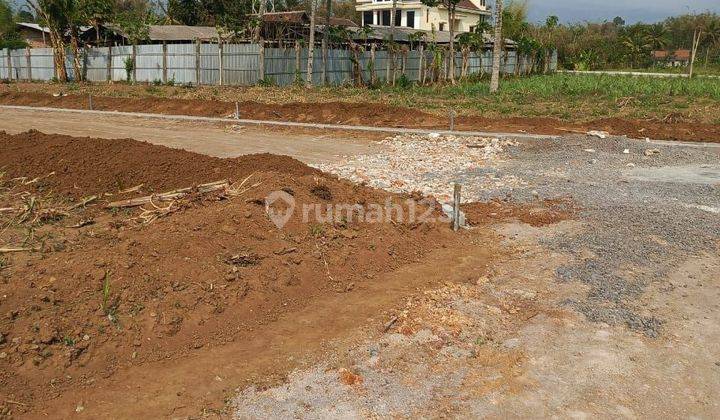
(9, 250)
(452, 119)
(456, 207)
(90, 104)
(237, 110)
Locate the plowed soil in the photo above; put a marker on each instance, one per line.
(100, 315)
(372, 115)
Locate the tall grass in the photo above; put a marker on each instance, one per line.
(558, 86)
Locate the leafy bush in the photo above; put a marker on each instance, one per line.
(129, 67)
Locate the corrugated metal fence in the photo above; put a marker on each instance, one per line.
(239, 64)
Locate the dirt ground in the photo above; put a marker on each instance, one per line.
(585, 285)
(214, 139)
(104, 307)
(360, 114)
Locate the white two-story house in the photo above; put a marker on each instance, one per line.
(415, 15)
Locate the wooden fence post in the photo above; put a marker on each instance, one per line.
(324, 51)
(29, 64)
(133, 53)
(9, 64)
(373, 78)
(387, 63)
(164, 62)
(197, 62)
(109, 74)
(261, 61)
(421, 70)
(298, 66)
(221, 67)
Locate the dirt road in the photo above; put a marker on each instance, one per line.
(221, 140)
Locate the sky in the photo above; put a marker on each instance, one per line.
(632, 11)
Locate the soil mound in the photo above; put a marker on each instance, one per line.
(87, 166)
(98, 291)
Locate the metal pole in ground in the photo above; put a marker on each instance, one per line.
(456, 208)
(237, 111)
(90, 104)
(452, 119)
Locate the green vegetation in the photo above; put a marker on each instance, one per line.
(613, 44)
(564, 96)
(8, 34)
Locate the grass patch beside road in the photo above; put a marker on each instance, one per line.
(566, 96)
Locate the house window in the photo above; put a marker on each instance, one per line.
(398, 17)
(368, 18)
(442, 26)
(472, 28)
(385, 18)
(410, 18)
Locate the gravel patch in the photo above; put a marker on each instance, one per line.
(646, 207)
(638, 227)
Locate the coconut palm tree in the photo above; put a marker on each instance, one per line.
(657, 36)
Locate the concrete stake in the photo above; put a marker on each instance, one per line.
(456, 208)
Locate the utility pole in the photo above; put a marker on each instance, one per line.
(696, 41)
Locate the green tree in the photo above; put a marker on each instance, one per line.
(7, 23)
(657, 36)
(450, 6)
(552, 21)
(637, 45)
(184, 12)
(55, 15)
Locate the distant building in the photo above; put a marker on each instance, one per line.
(677, 58)
(415, 15)
(35, 35)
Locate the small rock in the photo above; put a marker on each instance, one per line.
(248, 215)
(598, 134)
(3, 355)
(626, 151)
(652, 152)
(630, 165)
(511, 343)
(80, 408)
(228, 230)
(86, 337)
(48, 334)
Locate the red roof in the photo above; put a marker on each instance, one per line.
(467, 4)
(681, 55)
(301, 17)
